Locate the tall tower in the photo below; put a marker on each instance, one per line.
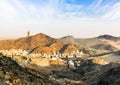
(28, 33)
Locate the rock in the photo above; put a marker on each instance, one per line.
(40, 61)
(99, 61)
(56, 62)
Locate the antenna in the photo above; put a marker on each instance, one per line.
(28, 33)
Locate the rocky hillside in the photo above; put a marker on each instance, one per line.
(12, 73)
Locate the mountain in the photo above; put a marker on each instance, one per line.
(39, 43)
(34, 41)
(25, 42)
(86, 42)
(108, 37)
(100, 43)
(68, 39)
(42, 43)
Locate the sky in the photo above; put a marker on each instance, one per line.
(58, 18)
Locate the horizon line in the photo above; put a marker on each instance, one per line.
(12, 38)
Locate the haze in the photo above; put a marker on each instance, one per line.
(57, 18)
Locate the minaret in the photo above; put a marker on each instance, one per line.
(28, 33)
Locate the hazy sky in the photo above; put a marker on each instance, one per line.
(57, 18)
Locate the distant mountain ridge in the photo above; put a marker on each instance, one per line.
(42, 43)
(109, 37)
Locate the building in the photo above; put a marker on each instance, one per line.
(28, 33)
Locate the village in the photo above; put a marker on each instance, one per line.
(23, 57)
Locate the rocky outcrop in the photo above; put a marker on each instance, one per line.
(12, 73)
(99, 61)
(110, 77)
